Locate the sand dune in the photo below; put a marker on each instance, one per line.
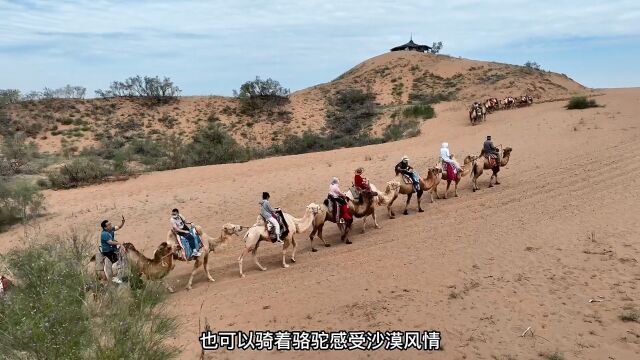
(561, 229)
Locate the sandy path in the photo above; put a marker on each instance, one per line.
(518, 255)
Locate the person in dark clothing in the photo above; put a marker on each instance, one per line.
(404, 168)
(491, 150)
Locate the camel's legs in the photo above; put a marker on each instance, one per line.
(406, 205)
(392, 215)
(196, 265)
(293, 250)
(244, 252)
(419, 198)
(317, 230)
(447, 191)
(497, 182)
(455, 189)
(375, 220)
(364, 224)
(255, 259)
(435, 190)
(167, 286)
(206, 267)
(284, 253)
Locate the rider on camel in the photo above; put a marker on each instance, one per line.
(491, 151)
(339, 200)
(404, 168)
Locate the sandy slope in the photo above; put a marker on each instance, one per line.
(518, 255)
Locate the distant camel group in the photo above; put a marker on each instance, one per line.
(479, 110)
(314, 218)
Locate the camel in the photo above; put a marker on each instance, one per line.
(477, 113)
(258, 232)
(466, 169)
(152, 269)
(379, 199)
(209, 244)
(428, 183)
(476, 169)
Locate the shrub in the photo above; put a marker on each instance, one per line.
(213, 145)
(66, 121)
(9, 96)
(50, 314)
(581, 102)
(419, 111)
(16, 153)
(20, 202)
(153, 89)
(402, 130)
(433, 98)
(261, 96)
(352, 110)
(79, 171)
(168, 121)
(532, 65)
(436, 47)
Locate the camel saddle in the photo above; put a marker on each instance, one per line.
(407, 179)
(284, 229)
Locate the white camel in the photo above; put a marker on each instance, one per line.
(258, 232)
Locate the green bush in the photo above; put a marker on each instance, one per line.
(581, 102)
(211, 144)
(16, 154)
(419, 111)
(21, 202)
(57, 311)
(401, 130)
(261, 96)
(433, 98)
(80, 171)
(66, 121)
(352, 111)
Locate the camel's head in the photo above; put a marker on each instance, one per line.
(469, 159)
(506, 152)
(129, 247)
(232, 229)
(315, 208)
(163, 250)
(393, 185)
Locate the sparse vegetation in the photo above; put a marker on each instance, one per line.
(57, 310)
(436, 47)
(532, 65)
(630, 314)
(351, 111)
(581, 102)
(261, 96)
(19, 202)
(80, 171)
(552, 355)
(155, 90)
(421, 111)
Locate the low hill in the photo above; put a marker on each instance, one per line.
(396, 79)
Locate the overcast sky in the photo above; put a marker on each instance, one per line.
(211, 47)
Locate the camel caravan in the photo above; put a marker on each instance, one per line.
(479, 110)
(188, 242)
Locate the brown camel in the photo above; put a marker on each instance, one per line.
(356, 210)
(466, 169)
(152, 269)
(477, 168)
(209, 244)
(379, 199)
(428, 183)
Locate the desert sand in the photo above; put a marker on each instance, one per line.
(561, 229)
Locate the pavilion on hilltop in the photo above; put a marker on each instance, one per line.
(411, 46)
